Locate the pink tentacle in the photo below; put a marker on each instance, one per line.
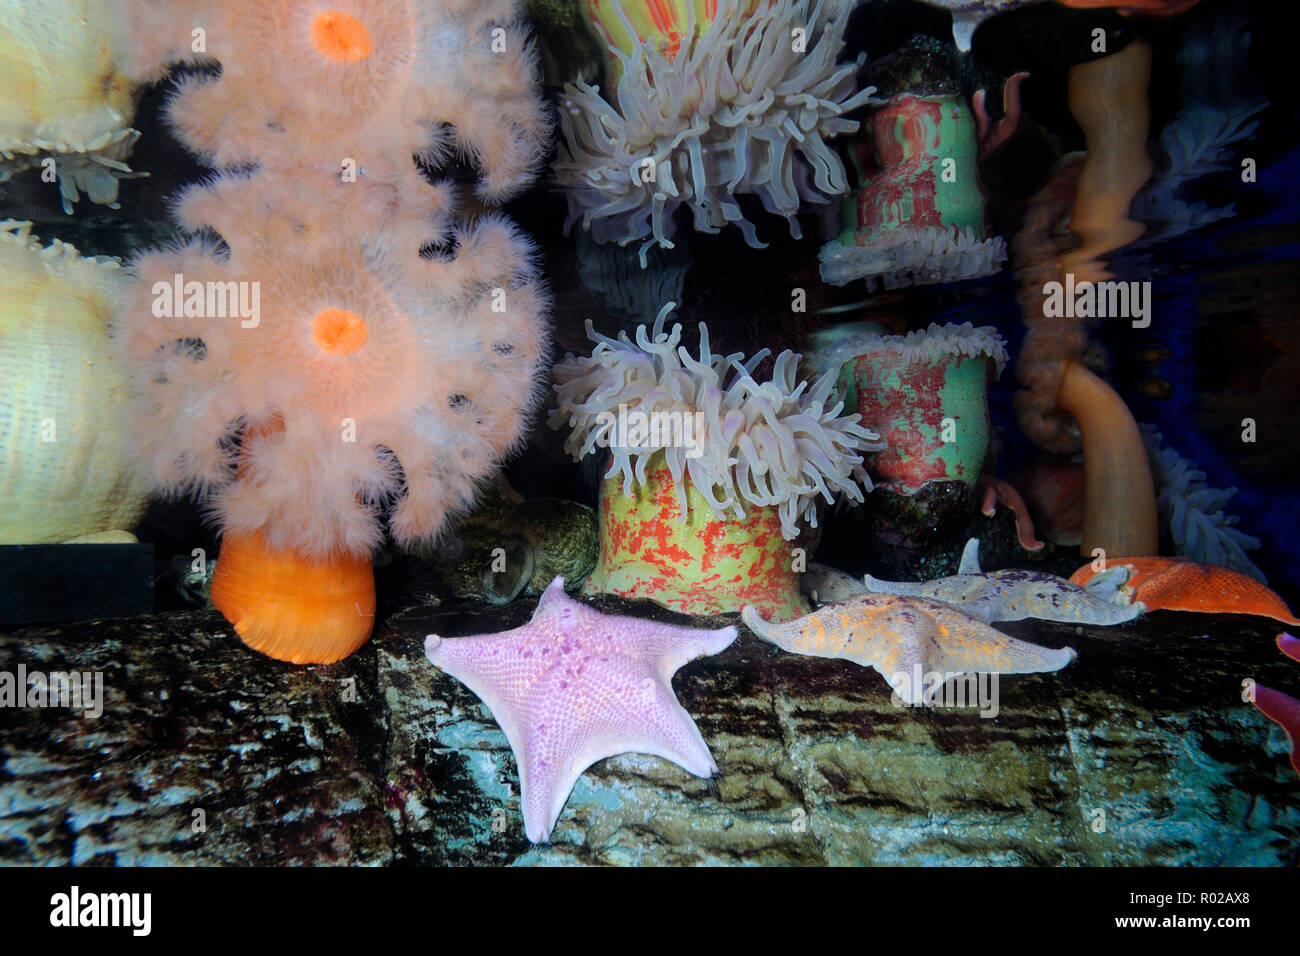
(993, 136)
(995, 491)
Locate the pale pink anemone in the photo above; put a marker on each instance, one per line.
(781, 443)
(738, 110)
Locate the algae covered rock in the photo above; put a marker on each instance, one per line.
(508, 547)
(203, 752)
(1121, 759)
(1140, 752)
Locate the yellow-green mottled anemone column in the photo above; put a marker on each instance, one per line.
(917, 216)
(696, 562)
(926, 394)
(714, 478)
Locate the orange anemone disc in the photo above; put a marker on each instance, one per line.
(290, 608)
(340, 36)
(338, 331)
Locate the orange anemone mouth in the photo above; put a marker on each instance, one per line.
(340, 37)
(338, 331)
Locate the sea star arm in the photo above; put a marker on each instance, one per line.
(897, 635)
(958, 643)
(970, 588)
(1112, 585)
(827, 585)
(1179, 584)
(1047, 597)
(574, 686)
(674, 647)
(643, 716)
(1289, 645)
(902, 588)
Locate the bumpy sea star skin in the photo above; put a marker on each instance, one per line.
(574, 686)
(1014, 594)
(1176, 584)
(902, 636)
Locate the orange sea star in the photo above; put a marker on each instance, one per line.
(1176, 584)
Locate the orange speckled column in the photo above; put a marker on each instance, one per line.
(697, 565)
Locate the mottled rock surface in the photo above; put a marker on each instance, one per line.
(1141, 752)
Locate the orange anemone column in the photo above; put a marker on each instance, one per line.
(293, 608)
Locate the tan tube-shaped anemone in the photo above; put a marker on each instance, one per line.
(1119, 499)
(1108, 98)
(305, 610)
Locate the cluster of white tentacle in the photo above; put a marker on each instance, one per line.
(783, 443)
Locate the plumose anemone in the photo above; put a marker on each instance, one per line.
(305, 84)
(370, 376)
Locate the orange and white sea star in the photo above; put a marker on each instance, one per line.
(905, 636)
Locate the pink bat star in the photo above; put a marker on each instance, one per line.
(574, 686)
